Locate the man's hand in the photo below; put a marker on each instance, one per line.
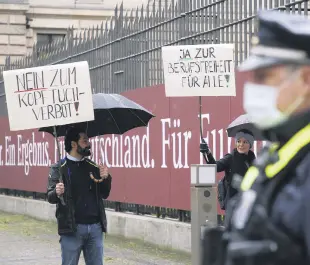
(60, 189)
(104, 172)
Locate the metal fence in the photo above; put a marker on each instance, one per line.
(125, 52)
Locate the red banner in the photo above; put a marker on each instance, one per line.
(149, 165)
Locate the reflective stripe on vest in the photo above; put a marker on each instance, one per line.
(286, 154)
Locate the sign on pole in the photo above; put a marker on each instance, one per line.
(199, 70)
(48, 95)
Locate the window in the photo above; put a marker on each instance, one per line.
(44, 39)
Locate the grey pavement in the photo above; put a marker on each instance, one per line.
(24, 240)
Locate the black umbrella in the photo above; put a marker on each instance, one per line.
(114, 114)
(243, 122)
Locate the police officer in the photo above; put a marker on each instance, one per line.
(270, 220)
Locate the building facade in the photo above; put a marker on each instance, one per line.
(24, 23)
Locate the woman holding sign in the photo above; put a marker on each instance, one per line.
(236, 162)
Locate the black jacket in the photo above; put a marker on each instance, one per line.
(65, 214)
(290, 209)
(233, 163)
(284, 196)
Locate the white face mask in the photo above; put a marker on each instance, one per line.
(260, 103)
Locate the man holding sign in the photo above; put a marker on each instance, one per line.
(51, 96)
(82, 220)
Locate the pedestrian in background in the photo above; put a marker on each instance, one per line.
(82, 220)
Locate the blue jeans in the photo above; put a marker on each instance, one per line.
(88, 238)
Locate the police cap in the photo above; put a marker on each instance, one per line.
(282, 39)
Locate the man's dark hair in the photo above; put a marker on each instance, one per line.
(72, 135)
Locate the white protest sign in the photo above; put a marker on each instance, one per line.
(199, 70)
(48, 95)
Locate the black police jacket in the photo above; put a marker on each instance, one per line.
(65, 213)
(269, 221)
(290, 207)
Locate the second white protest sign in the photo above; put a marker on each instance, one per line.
(48, 95)
(199, 70)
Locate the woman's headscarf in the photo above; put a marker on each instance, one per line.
(246, 135)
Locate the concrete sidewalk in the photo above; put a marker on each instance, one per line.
(161, 232)
(24, 240)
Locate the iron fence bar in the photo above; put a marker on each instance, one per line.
(191, 37)
(171, 43)
(156, 25)
(135, 33)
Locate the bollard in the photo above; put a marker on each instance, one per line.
(203, 206)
